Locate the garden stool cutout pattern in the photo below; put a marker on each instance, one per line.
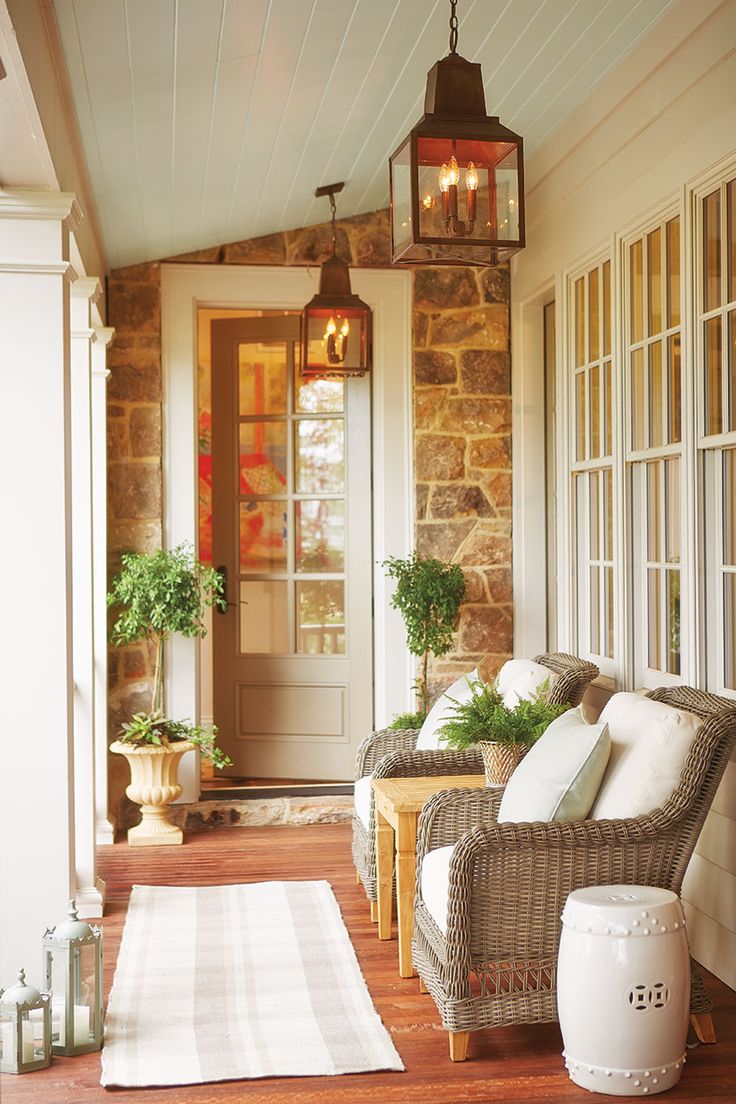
(623, 989)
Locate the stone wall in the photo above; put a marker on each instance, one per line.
(462, 424)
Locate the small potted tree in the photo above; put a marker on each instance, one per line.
(428, 595)
(503, 734)
(158, 594)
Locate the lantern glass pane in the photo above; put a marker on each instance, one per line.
(86, 1009)
(58, 1000)
(401, 197)
(7, 1039)
(336, 339)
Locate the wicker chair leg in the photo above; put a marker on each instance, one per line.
(374, 912)
(702, 1023)
(357, 878)
(459, 1045)
(422, 987)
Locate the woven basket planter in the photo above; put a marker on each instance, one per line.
(501, 760)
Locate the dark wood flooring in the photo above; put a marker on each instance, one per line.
(520, 1064)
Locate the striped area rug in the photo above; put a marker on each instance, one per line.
(238, 981)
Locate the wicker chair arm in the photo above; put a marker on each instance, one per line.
(450, 814)
(427, 763)
(381, 743)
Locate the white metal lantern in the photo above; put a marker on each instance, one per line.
(72, 962)
(25, 1028)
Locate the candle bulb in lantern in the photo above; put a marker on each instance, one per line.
(344, 331)
(453, 178)
(471, 183)
(444, 191)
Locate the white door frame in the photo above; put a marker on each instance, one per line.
(185, 288)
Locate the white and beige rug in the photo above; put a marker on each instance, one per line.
(239, 981)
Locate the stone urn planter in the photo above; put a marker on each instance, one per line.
(153, 786)
(501, 760)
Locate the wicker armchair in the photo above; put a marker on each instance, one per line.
(496, 962)
(391, 753)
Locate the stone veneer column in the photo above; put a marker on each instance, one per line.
(37, 769)
(85, 293)
(104, 334)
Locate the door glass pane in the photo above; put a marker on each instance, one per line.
(653, 511)
(654, 277)
(319, 396)
(637, 399)
(608, 514)
(674, 389)
(580, 415)
(607, 308)
(729, 628)
(262, 378)
(595, 600)
(713, 379)
(672, 501)
(320, 456)
(608, 576)
(729, 507)
(264, 617)
(608, 408)
(653, 619)
(262, 458)
(579, 322)
(655, 394)
(731, 247)
(320, 535)
(594, 520)
(637, 291)
(712, 250)
(673, 622)
(673, 272)
(593, 316)
(321, 618)
(263, 536)
(595, 411)
(732, 369)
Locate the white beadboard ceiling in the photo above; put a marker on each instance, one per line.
(209, 121)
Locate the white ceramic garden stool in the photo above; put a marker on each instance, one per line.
(623, 989)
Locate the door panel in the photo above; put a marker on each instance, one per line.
(291, 526)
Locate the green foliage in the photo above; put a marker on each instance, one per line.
(155, 729)
(428, 596)
(408, 720)
(484, 717)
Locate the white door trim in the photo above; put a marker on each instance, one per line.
(184, 288)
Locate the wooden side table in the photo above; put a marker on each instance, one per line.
(399, 801)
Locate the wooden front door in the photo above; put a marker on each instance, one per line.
(293, 672)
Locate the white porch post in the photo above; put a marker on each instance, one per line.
(37, 756)
(85, 293)
(100, 372)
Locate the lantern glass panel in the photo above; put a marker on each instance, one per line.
(336, 339)
(401, 197)
(86, 999)
(57, 983)
(7, 1039)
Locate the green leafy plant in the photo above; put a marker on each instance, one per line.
(158, 594)
(484, 718)
(408, 720)
(428, 596)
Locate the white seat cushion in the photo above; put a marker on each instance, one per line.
(558, 779)
(434, 882)
(520, 679)
(362, 799)
(650, 742)
(441, 711)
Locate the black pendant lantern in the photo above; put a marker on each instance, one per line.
(457, 179)
(335, 325)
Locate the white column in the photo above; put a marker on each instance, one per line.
(85, 293)
(36, 747)
(100, 372)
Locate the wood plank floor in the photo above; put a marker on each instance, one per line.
(507, 1064)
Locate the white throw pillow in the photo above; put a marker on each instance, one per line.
(435, 879)
(442, 711)
(558, 778)
(650, 742)
(520, 679)
(362, 799)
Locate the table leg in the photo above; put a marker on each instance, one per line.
(406, 866)
(384, 873)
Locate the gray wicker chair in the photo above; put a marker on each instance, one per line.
(496, 962)
(391, 753)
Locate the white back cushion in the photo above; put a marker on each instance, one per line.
(558, 778)
(435, 879)
(650, 742)
(442, 710)
(362, 798)
(520, 679)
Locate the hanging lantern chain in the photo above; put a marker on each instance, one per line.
(453, 26)
(333, 207)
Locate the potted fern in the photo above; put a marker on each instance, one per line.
(158, 594)
(428, 596)
(504, 735)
